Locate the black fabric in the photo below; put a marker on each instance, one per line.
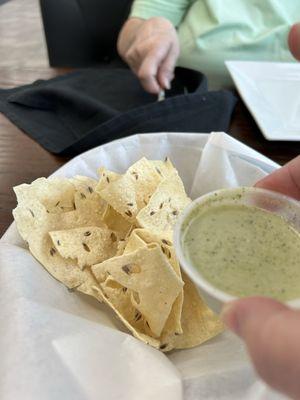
(82, 33)
(75, 112)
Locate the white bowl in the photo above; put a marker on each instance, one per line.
(264, 199)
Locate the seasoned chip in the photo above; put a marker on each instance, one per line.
(134, 242)
(150, 276)
(199, 323)
(163, 168)
(105, 177)
(55, 194)
(88, 245)
(116, 223)
(118, 298)
(174, 321)
(85, 195)
(131, 192)
(34, 223)
(164, 207)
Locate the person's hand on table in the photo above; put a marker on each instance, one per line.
(150, 48)
(270, 329)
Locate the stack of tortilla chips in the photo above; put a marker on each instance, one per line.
(112, 240)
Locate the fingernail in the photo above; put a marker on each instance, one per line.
(167, 84)
(229, 317)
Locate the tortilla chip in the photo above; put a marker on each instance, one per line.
(118, 298)
(149, 275)
(199, 323)
(105, 177)
(116, 223)
(55, 194)
(35, 221)
(163, 168)
(174, 321)
(131, 192)
(134, 242)
(86, 196)
(88, 245)
(164, 207)
(35, 232)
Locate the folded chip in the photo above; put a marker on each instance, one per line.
(150, 277)
(164, 206)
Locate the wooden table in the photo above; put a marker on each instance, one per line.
(22, 159)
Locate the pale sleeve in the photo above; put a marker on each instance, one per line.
(173, 10)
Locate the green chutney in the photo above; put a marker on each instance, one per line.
(244, 251)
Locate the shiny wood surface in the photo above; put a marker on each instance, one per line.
(23, 59)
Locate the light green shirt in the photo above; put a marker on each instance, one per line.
(212, 31)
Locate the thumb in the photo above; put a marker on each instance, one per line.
(271, 332)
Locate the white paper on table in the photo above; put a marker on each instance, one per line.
(61, 345)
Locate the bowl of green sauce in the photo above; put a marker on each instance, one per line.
(241, 242)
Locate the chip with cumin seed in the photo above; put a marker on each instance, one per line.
(88, 245)
(55, 194)
(163, 168)
(134, 242)
(150, 276)
(164, 207)
(105, 177)
(117, 223)
(35, 229)
(86, 196)
(131, 192)
(174, 321)
(118, 298)
(199, 323)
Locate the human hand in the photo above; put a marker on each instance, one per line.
(151, 48)
(270, 329)
(294, 41)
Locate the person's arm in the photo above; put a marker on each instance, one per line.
(270, 329)
(148, 41)
(173, 10)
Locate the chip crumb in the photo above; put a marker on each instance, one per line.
(86, 247)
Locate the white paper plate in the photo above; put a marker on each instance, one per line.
(272, 93)
(60, 345)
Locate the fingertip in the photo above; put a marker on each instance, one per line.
(244, 314)
(294, 41)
